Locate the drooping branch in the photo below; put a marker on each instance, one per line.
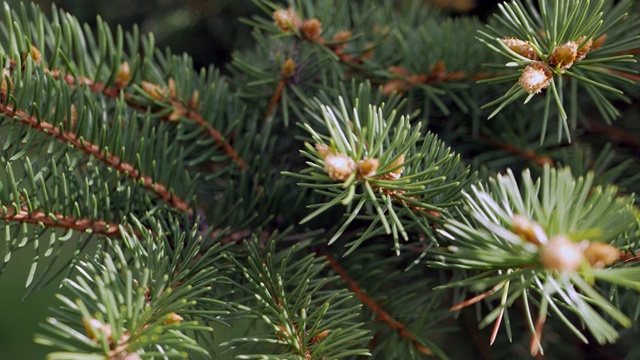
(376, 308)
(94, 150)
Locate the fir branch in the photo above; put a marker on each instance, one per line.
(308, 319)
(94, 150)
(376, 308)
(211, 131)
(551, 43)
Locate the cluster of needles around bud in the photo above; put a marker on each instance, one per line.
(554, 237)
(370, 157)
(575, 49)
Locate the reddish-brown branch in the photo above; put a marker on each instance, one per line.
(528, 155)
(189, 113)
(286, 72)
(61, 221)
(626, 75)
(626, 256)
(381, 314)
(233, 237)
(474, 299)
(211, 131)
(277, 94)
(95, 151)
(95, 87)
(615, 134)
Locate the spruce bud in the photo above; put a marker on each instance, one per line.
(154, 90)
(124, 75)
(600, 254)
(397, 169)
(321, 336)
(311, 29)
(521, 47)
(528, 229)
(173, 318)
(535, 77)
(561, 254)
(368, 167)
(288, 68)
(341, 37)
(286, 19)
(339, 166)
(35, 54)
(584, 49)
(323, 150)
(6, 82)
(564, 56)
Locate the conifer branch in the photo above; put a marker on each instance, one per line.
(61, 221)
(376, 308)
(179, 110)
(529, 155)
(287, 71)
(618, 135)
(95, 87)
(211, 131)
(94, 150)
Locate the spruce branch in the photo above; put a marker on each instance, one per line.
(50, 220)
(182, 180)
(366, 158)
(120, 308)
(305, 318)
(165, 96)
(109, 159)
(105, 68)
(378, 310)
(564, 39)
(546, 242)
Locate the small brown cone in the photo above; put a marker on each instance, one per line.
(368, 167)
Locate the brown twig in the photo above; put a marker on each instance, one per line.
(528, 155)
(277, 94)
(189, 113)
(61, 221)
(381, 314)
(286, 72)
(615, 134)
(211, 131)
(94, 150)
(475, 299)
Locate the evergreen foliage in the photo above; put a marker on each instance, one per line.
(339, 193)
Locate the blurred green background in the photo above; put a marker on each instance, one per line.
(209, 31)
